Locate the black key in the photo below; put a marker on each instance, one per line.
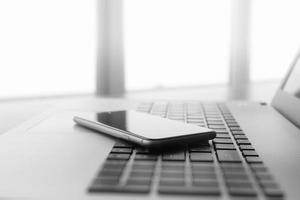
(210, 191)
(122, 145)
(202, 168)
(239, 191)
(253, 159)
(201, 157)
(222, 141)
(144, 151)
(116, 165)
(177, 166)
(240, 137)
(107, 180)
(201, 149)
(246, 147)
(236, 176)
(172, 182)
(268, 184)
(243, 142)
(224, 147)
(228, 156)
(264, 176)
(172, 174)
(237, 133)
(273, 192)
(238, 183)
(141, 174)
(145, 157)
(141, 164)
(220, 130)
(222, 135)
(217, 126)
(249, 153)
(204, 176)
(235, 129)
(233, 125)
(216, 123)
(178, 156)
(121, 150)
(232, 167)
(114, 156)
(200, 144)
(110, 173)
(143, 189)
(104, 188)
(138, 181)
(205, 182)
(258, 168)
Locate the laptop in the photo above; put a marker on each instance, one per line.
(256, 154)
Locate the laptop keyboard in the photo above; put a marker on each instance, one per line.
(227, 165)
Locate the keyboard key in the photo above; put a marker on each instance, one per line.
(253, 159)
(240, 191)
(243, 142)
(222, 135)
(198, 167)
(114, 165)
(121, 150)
(268, 184)
(122, 145)
(172, 174)
(145, 157)
(246, 147)
(143, 189)
(141, 174)
(210, 191)
(104, 188)
(107, 180)
(114, 156)
(201, 157)
(138, 181)
(222, 141)
(224, 147)
(264, 176)
(216, 123)
(220, 130)
(172, 182)
(205, 182)
(237, 133)
(273, 192)
(216, 126)
(204, 176)
(240, 137)
(178, 156)
(228, 156)
(206, 149)
(110, 173)
(258, 167)
(238, 183)
(235, 176)
(249, 153)
(232, 167)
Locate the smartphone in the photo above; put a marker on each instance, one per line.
(146, 130)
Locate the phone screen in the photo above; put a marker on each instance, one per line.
(147, 126)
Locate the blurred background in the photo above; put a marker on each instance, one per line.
(50, 48)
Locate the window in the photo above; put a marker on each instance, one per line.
(275, 38)
(170, 43)
(47, 47)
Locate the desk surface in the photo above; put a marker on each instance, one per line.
(14, 112)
